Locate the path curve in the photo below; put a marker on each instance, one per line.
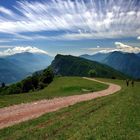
(19, 113)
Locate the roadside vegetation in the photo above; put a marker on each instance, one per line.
(61, 86)
(114, 117)
(32, 83)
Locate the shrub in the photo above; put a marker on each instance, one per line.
(47, 76)
(27, 84)
(92, 73)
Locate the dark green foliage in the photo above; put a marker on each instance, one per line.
(41, 85)
(3, 85)
(92, 73)
(31, 83)
(75, 66)
(14, 89)
(27, 84)
(47, 76)
(35, 81)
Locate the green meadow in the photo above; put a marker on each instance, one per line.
(114, 117)
(61, 86)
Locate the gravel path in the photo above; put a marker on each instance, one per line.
(19, 113)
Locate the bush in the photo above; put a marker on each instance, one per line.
(27, 85)
(47, 76)
(35, 81)
(41, 85)
(92, 73)
(14, 89)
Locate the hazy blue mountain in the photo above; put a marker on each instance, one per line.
(16, 67)
(138, 54)
(128, 63)
(31, 61)
(10, 72)
(99, 57)
(67, 65)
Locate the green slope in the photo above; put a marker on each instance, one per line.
(61, 86)
(68, 65)
(115, 117)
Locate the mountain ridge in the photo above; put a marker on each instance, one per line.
(67, 65)
(128, 63)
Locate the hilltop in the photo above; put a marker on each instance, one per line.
(67, 65)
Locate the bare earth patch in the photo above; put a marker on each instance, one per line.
(19, 113)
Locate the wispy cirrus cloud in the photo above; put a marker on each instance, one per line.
(138, 37)
(6, 11)
(90, 19)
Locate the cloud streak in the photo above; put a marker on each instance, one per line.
(20, 49)
(121, 47)
(90, 20)
(126, 48)
(6, 11)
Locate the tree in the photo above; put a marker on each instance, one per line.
(92, 73)
(14, 89)
(47, 76)
(3, 85)
(35, 81)
(27, 84)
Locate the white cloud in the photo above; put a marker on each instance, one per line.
(15, 50)
(99, 50)
(138, 37)
(6, 11)
(119, 47)
(88, 19)
(126, 48)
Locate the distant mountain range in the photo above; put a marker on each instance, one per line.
(67, 65)
(128, 63)
(15, 67)
(99, 57)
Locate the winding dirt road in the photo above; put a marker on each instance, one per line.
(19, 113)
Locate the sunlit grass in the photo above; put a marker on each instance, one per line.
(61, 86)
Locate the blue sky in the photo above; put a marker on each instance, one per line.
(70, 26)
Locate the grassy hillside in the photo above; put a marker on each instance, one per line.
(115, 117)
(61, 86)
(68, 65)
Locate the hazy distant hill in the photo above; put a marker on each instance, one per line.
(128, 63)
(10, 72)
(74, 66)
(31, 61)
(138, 54)
(99, 57)
(16, 67)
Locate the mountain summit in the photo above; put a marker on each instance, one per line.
(67, 65)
